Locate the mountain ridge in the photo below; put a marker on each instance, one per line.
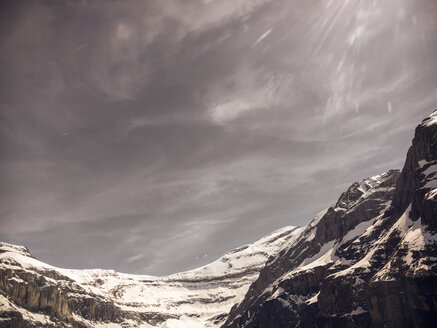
(92, 280)
(122, 297)
(400, 241)
(369, 260)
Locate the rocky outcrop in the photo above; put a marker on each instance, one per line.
(305, 270)
(371, 258)
(56, 296)
(35, 294)
(405, 293)
(421, 156)
(429, 210)
(405, 302)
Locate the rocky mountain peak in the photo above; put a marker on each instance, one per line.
(430, 120)
(35, 294)
(419, 176)
(368, 261)
(356, 192)
(15, 249)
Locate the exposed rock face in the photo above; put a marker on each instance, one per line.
(35, 294)
(418, 170)
(404, 292)
(429, 210)
(368, 261)
(407, 302)
(299, 284)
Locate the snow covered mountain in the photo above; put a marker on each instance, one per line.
(370, 260)
(36, 294)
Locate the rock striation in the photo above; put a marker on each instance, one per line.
(369, 260)
(35, 294)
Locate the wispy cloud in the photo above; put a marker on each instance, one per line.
(159, 129)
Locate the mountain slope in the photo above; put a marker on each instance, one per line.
(370, 260)
(35, 293)
(366, 262)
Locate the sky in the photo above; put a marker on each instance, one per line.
(153, 136)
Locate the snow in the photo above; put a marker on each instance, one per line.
(194, 296)
(126, 323)
(296, 299)
(279, 291)
(24, 260)
(184, 322)
(365, 228)
(368, 187)
(107, 325)
(316, 219)
(416, 239)
(309, 232)
(6, 247)
(431, 176)
(430, 170)
(359, 230)
(430, 120)
(401, 226)
(431, 194)
(313, 299)
(357, 311)
(327, 253)
(324, 257)
(378, 221)
(312, 234)
(21, 281)
(364, 263)
(422, 163)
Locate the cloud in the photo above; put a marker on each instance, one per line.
(262, 37)
(229, 111)
(135, 258)
(165, 131)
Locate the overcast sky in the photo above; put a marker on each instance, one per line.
(153, 136)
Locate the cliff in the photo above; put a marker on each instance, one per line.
(368, 261)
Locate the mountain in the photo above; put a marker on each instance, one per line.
(369, 260)
(35, 294)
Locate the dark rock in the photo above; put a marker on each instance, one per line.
(380, 281)
(351, 267)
